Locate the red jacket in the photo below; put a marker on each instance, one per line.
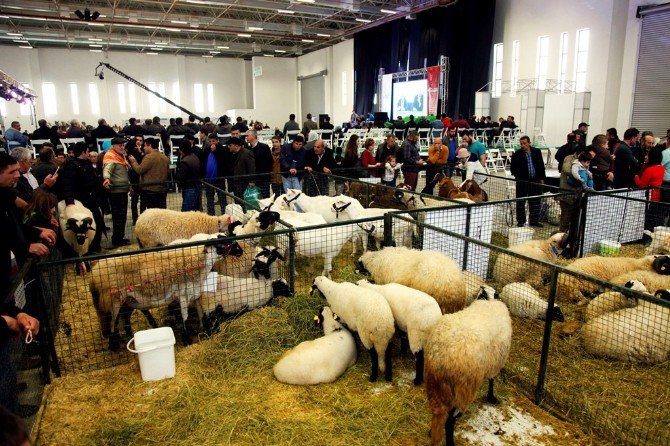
(652, 177)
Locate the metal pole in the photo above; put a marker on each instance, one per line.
(544, 358)
(291, 260)
(388, 230)
(466, 246)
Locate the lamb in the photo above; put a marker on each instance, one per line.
(524, 301)
(274, 203)
(149, 280)
(639, 334)
(322, 204)
(463, 349)
(651, 280)
(157, 227)
(366, 312)
(415, 313)
(613, 301)
(322, 360)
(78, 228)
(660, 242)
(389, 198)
(509, 269)
(574, 288)
(469, 189)
(429, 271)
(235, 294)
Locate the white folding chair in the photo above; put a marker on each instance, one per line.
(35, 143)
(495, 160)
(424, 137)
(174, 142)
(290, 134)
(67, 142)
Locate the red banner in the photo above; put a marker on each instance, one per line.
(433, 78)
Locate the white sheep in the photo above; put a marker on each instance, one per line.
(660, 242)
(473, 285)
(651, 280)
(156, 227)
(236, 212)
(574, 288)
(613, 301)
(524, 301)
(414, 312)
(233, 295)
(639, 334)
(274, 203)
(149, 280)
(508, 269)
(366, 312)
(429, 271)
(321, 360)
(321, 204)
(463, 349)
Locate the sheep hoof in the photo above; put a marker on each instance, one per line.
(418, 380)
(114, 340)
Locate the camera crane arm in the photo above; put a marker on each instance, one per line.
(102, 65)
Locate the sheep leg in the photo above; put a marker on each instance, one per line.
(114, 337)
(150, 319)
(388, 371)
(418, 379)
(449, 428)
(490, 397)
(125, 314)
(327, 265)
(183, 304)
(404, 341)
(375, 365)
(437, 424)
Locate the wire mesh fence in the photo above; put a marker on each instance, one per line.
(583, 343)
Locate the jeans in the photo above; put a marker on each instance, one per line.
(119, 204)
(150, 199)
(134, 204)
(189, 199)
(209, 195)
(291, 182)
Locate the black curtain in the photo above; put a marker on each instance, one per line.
(463, 32)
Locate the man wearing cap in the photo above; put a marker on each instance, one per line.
(243, 164)
(292, 161)
(477, 161)
(115, 179)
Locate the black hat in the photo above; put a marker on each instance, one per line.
(581, 124)
(235, 140)
(118, 140)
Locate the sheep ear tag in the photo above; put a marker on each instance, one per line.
(336, 317)
(317, 320)
(554, 250)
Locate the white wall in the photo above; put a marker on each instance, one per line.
(275, 90)
(229, 77)
(614, 39)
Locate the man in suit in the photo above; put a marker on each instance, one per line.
(244, 165)
(527, 167)
(264, 161)
(320, 159)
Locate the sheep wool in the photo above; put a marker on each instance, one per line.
(463, 349)
(639, 334)
(473, 285)
(365, 312)
(429, 271)
(573, 288)
(651, 280)
(508, 269)
(613, 301)
(524, 301)
(155, 227)
(415, 313)
(322, 360)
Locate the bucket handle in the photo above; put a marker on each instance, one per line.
(155, 347)
(128, 345)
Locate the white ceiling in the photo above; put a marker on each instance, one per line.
(212, 28)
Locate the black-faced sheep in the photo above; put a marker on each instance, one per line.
(365, 312)
(429, 271)
(321, 360)
(463, 349)
(78, 227)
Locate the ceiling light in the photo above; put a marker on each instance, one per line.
(151, 54)
(175, 30)
(306, 1)
(388, 11)
(308, 40)
(323, 35)
(223, 47)
(363, 20)
(96, 51)
(243, 35)
(280, 51)
(20, 41)
(26, 47)
(208, 56)
(179, 22)
(95, 46)
(15, 34)
(214, 52)
(160, 43)
(94, 40)
(254, 28)
(285, 11)
(269, 55)
(156, 49)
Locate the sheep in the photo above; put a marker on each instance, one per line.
(524, 301)
(651, 280)
(660, 242)
(415, 313)
(463, 349)
(429, 271)
(469, 189)
(274, 203)
(322, 204)
(639, 334)
(236, 212)
(150, 280)
(473, 285)
(509, 269)
(235, 294)
(389, 198)
(613, 301)
(573, 288)
(157, 227)
(366, 312)
(78, 227)
(322, 360)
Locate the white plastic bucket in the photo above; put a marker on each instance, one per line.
(609, 247)
(155, 351)
(520, 235)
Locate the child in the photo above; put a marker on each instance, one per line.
(580, 172)
(391, 171)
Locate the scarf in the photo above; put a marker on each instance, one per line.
(111, 156)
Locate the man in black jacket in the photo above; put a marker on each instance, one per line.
(215, 162)
(569, 148)
(320, 159)
(264, 161)
(527, 167)
(626, 166)
(133, 129)
(102, 131)
(43, 131)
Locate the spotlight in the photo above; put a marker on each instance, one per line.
(101, 76)
(80, 14)
(86, 15)
(95, 15)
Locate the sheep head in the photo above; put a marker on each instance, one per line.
(315, 286)
(264, 260)
(280, 288)
(80, 228)
(487, 293)
(340, 206)
(662, 294)
(661, 264)
(558, 242)
(557, 314)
